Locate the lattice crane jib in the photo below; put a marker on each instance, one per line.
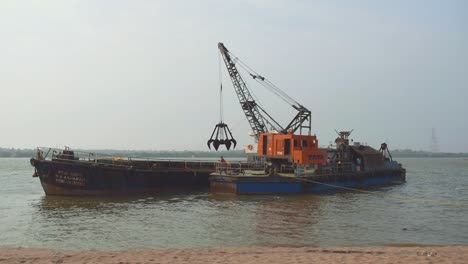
(259, 119)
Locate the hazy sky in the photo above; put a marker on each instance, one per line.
(144, 74)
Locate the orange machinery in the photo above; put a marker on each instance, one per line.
(299, 149)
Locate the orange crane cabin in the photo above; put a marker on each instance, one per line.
(299, 149)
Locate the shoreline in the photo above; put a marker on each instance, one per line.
(237, 255)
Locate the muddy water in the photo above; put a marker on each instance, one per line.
(28, 218)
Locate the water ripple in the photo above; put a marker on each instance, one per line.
(31, 219)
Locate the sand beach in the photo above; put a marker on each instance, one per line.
(258, 255)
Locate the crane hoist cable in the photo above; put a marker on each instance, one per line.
(223, 133)
(267, 84)
(220, 82)
(263, 80)
(270, 121)
(303, 113)
(256, 76)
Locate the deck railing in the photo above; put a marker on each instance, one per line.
(237, 167)
(228, 167)
(66, 155)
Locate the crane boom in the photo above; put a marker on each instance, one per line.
(257, 117)
(249, 106)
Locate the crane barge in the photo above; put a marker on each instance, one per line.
(292, 159)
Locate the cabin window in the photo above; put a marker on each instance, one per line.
(304, 143)
(287, 146)
(295, 143)
(265, 145)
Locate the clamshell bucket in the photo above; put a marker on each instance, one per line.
(223, 137)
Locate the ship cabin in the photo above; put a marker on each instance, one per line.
(298, 149)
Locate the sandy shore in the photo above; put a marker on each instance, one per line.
(269, 255)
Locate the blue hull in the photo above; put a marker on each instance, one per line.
(287, 185)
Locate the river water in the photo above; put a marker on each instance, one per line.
(28, 218)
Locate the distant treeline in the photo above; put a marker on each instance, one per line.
(27, 153)
(16, 153)
(408, 153)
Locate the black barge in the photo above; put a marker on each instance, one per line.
(65, 173)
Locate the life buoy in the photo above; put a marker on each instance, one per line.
(250, 146)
